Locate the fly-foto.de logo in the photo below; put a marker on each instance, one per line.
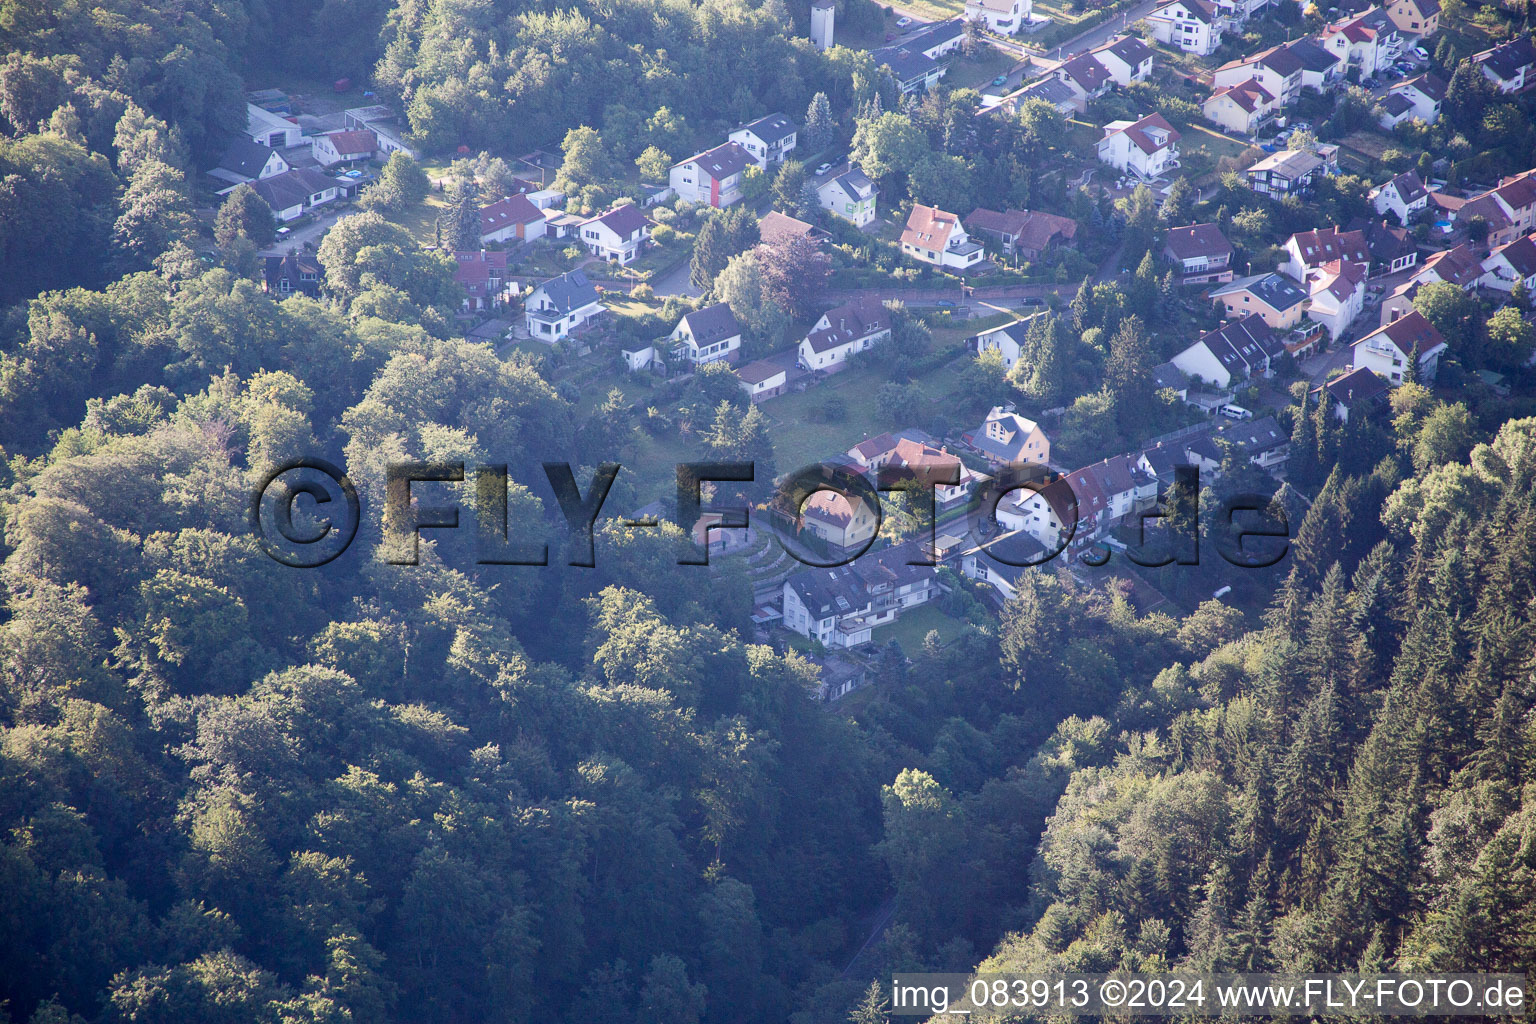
(306, 513)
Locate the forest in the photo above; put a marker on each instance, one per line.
(237, 793)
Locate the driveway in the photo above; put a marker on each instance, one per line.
(1095, 36)
(312, 232)
(675, 282)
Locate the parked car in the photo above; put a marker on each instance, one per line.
(823, 169)
(903, 22)
(1421, 53)
(1000, 80)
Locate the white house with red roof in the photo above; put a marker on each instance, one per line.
(1338, 295)
(712, 177)
(937, 236)
(1277, 70)
(617, 236)
(1193, 26)
(346, 147)
(483, 276)
(1148, 148)
(1368, 41)
(1306, 251)
(514, 218)
(1388, 349)
(1241, 107)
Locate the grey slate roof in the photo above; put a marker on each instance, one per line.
(245, 158)
(712, 324)
(1280, 292)
(771, 128)
(292, 188)
(570, 291)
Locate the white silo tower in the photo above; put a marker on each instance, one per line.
(821, 23)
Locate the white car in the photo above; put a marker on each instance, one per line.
(823, 169)
(903, 22)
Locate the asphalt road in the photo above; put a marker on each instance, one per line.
(312, 232)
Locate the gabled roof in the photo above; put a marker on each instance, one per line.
(929, 228)
(1396, 104)
(570, 291)
(1430, 85)
(1458, 266)
(1407, 331)
(881, 444)
(771, 129)
(292, 188)
(1312, 57)
(293, 267)
(1128, 48)
(1387, 242)
(1197, 240)
(1358, 385)
(1000, 6)
(712, 324)
(1032, 229)
(1519, 254)
(1339, 280)
(1278, 59)
(622, 220)
(1249, 95)
(473, 269)
(1292, 164)
(1506, 59)
(1323, 244)
(723, 161)
(1086, 70)
(1145, 133)
(775, 227)
(937, 34)
(853, 183)
(1052, 90)
(1011, 555)
(850, 322)
(1255, 436)
(1409, 186)
(245, 158)
(1019, 428)
(1279, 293)
(760, 370)
(507, 212)
(356, 143)
(1201, 10)
(1241, 345)
(907, 65)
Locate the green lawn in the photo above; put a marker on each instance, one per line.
(989, 63)
(912, 626)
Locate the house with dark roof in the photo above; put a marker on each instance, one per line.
(1277, 70)
(1404, 197)
(850, 195)
(1046, 511)
(1054, 91)
(1147, 148)
(1308, 250)
(1194, 26)
(514, 218)
(1001, 561)
(1359, 391)
(617, 236)
(483, 276)
(292, 274)
(937, 40)
(1510, 262)
(1086, 77)
(1320, 70)
(1201, 252)
(1278, 300)
(1241, 107)
(561, 305)
(707, 335)
(915, 72)
(712, 177)
(1007, 340)
(1025, 234)
(1511, 66)
(1238, 350)
(245, 161)
(295, 192)
(763, 379)
(1126, 58)
(842, 332)
(1288, 172)
(768, 139)
(1006, 438)
(1509, 209)
(1423, 93)
(840, 607)
(1388, 349)
(1392, 248)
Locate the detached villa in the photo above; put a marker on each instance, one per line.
(842, 332)
(561, 305)
(1147, 148)
(936, 236)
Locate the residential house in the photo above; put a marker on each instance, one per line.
(775, 228)
(1147, 148)
(1005, 17)
(1369, 41)
(1277, 71)
(707, 335)
(483, 276)
(346, 147)
(617, 236)
(1387, 349)
(1405, 197)
(1241, 108)
(271, 130)
(1002, 561)
(1338, 295)
(1392, 248)
(1023, 234)
(1201, 252)
(841, 606)
(850, 195)
(1086, 77)
(915, 73)
(1054, 91)
(1360, 391)
(245, 161)
(1288, 172)
(1459, 266)
(768, 139)
(937, 236)
(763, 379)
(1509, 210)
(1006, 438)
(1126, 58)
(1007, 340)
(1262, 440)
(514, 218)
(1238, 350)
(937, 40)
(854, 327)
(1424, 94)
(294, 273)
(561, 305)
(843, 521)
(380, 120)
(1108, 493)
(913, 455)
(1047, 511)
(1320, 70)
(1511, 66)
(1419, 18)
(1193, 26)
(1271, 296)
(1510, 262)
(296, 191)
(712, 177)
(1308, 250)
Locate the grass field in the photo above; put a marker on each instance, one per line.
(912, 626)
